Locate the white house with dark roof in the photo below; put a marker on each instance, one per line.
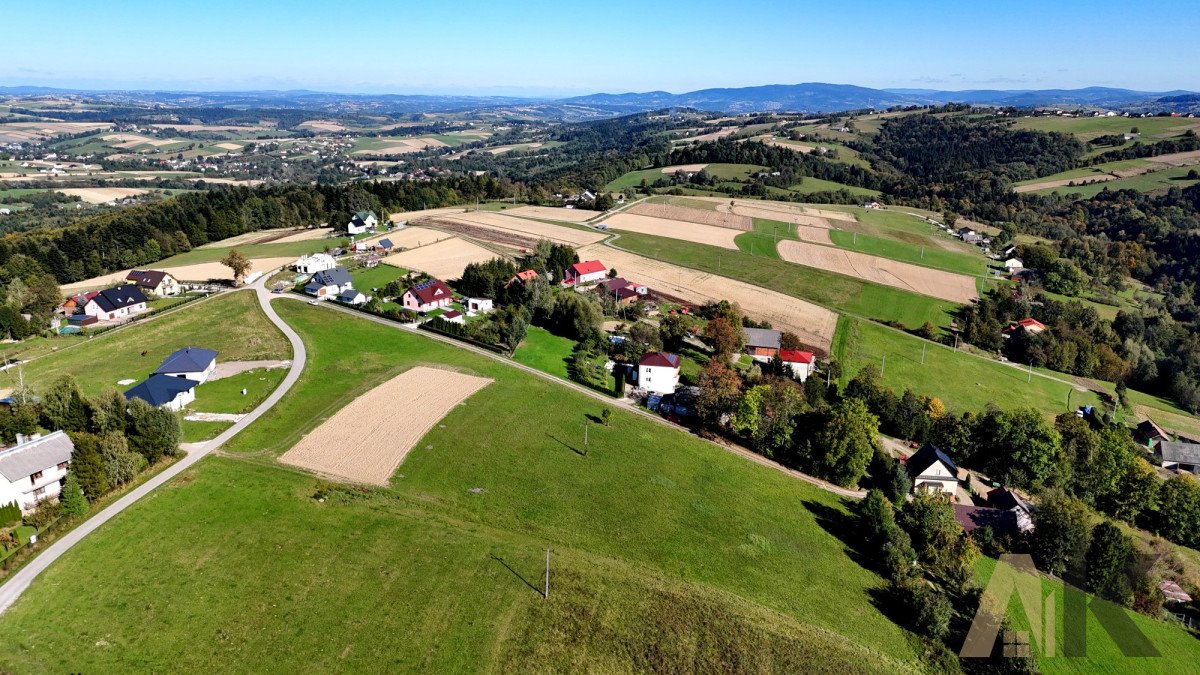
(931, 469)
(157, 282)
(164, 391)
(34, 469)
(329, 283)
(121, 302)
(658, 372)
(362, 222)
(190, 363)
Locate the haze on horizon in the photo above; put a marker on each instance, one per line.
(540, 48)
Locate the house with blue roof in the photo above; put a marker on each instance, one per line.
(164, 391)
(190, 363)
(328, 284)
(933, 470)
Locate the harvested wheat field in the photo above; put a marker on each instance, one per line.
(782, 216)
(711, 136)
(228, 146)
(686, 168)
(404, 145)
(934, 283)
(445, 259)
(1065, 182)
(701, 216)
(1177, 158)
(675, 229)
(365, 441)
(305, 235)
(813, 323)
(323, 125)
(534, 228)
(816, 235)
(411, 237)
(196, 272)
(553, 213)
(102, 194)
(404, 216)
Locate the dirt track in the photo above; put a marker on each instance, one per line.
(365, 441)
(934, 283)
(814, 324)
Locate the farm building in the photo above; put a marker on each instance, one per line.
(658, 372)
(116, 303)
(427, 296)
(1182, 457)
(329, 283)
(362, 222)
(762, 344)
(192, 363)
(352, 297)
(800, 363)
(1007, 500)
(164, 391)
(1150, 433)
(625, 292)
(584, 273)
(478, 306)
(316, 262)
(34, 469)
(454, 316)
(932, 470)
(157, 282)
(1013, 264)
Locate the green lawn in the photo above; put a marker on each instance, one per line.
(195, 432)
(1168, 177)
(225, 395)
(1088, 128)
(285, 249)
(549, 353)
(376, 277)
(962, 381)
(970, 263)
(232, 323)
(665, 549)
(809, 185)
(722, 171)
(836, 291)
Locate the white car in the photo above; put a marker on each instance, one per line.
(314, 303)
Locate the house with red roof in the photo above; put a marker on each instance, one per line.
(658, 372)
(1031, 325)
(584, 273)
(427, 296)
(800, 363)
(527, 275)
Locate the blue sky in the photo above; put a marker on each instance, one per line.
(535, 47)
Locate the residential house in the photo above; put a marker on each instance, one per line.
(623, 291)
(1151, 433)
(329, 283)
(527, 275)
(316, 262)
(157, 282)
(352, 297)
(111, 304)
(932, 470)
(658, 372)
(800, 363)
(762, 344)
(584, 273)
(1182, 457)
(385, 245)
(972, 517)
(362, 222)
(76, 302)
(479, 306)
(1007, 500)
(372, 261)
(427, 296)
(164, 391)
(34, 469)
(1028, 325)
(1013, 264)
(191, 363)
(969, 236)
(454, 316)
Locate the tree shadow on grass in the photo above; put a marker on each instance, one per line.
(515, 573)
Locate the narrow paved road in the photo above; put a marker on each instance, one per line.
(17, 583)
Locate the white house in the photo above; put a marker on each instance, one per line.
(191, 363)
(329, 283)
(1014, 264)
(454, 316)
(478, 306)
(585, 272)
(157, 282)
(362, 222)
(116, 303)
(932, 470)
(34, 469)
(352, 297)
(800, 363)
(164, 391)
(311, 264)
(658, 372)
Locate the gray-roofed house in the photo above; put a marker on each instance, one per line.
(34, 469)
(762, 344)
(352, 297)
(329, 283)
(164, 391)
(1003, 498)
(116, 303)
(157, 282)
(1183, 457)
(190, 363)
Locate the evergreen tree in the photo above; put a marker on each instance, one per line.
(1108, 559)
(88, 466)
(63, 406)
(74, 503)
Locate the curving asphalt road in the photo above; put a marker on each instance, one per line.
(17, 583)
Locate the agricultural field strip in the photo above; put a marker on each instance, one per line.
(195, 272)
(445, 259)
(674, 229)
(554, 213)
(366, 441)
(700, 216)
(814, 324)
(535, 228)
(914, 278)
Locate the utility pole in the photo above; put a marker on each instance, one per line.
(546, 593)
(585, 438)
(883, 368)
(1030, 376)
(922, 353)
(856, 239)
(922, 253)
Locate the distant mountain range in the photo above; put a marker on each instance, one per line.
(808, 97)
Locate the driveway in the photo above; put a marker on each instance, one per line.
(18, 582)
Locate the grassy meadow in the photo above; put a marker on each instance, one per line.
(1162, 179)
